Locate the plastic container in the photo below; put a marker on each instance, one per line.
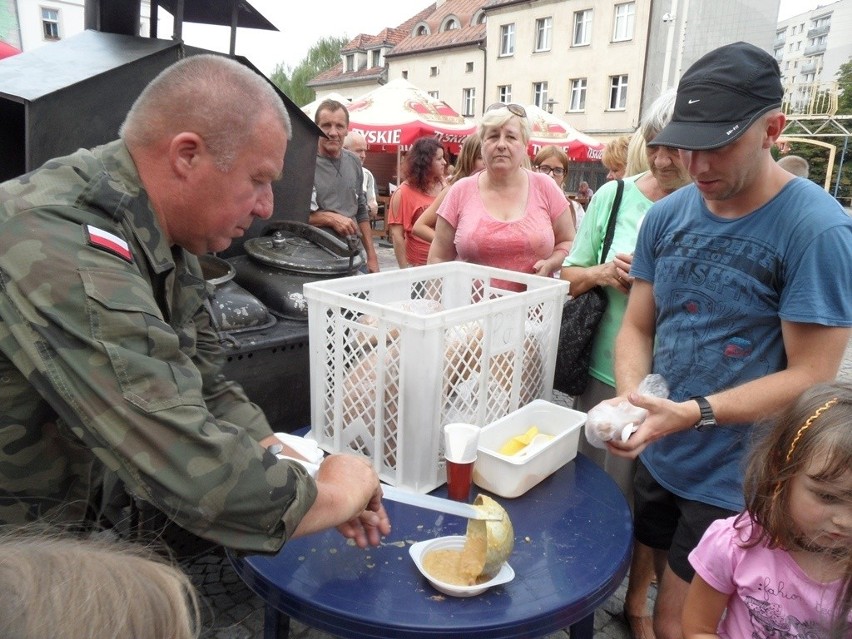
(394, 356)
(419, 550)
(513, 475)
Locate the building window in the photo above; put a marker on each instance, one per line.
(451, 24)
(433, 71)
(468, 102)
(540, 94)
(422, 30)
(433, 94)
(405, 75)
(582, 28)
(507, 39)
(618, 92)
(350, 62)
(50, 23)
(377, 58)
(504, 93)
(543, 27)
(824, 21)
(578, 95)
(468, 67)
(624, 18)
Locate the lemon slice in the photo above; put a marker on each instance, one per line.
(518, 442)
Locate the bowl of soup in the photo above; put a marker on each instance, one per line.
(441, 561)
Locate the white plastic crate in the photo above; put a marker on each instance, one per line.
(396, 355)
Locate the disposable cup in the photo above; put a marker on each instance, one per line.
(460, 443)
(459, 480)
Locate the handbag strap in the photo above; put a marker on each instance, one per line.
(610, 226)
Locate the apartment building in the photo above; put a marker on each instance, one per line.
(810, 47)
(595, 63)
(40, 22)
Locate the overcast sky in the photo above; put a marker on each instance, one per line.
(299, 29)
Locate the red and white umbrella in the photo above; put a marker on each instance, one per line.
(311, 107)
(7, 50)
(396, 114)
(548, 129)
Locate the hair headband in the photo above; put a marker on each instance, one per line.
(819, 411)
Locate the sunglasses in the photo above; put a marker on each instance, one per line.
(514, 109)
(547, 170)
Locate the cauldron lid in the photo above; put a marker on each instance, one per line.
(302, 248)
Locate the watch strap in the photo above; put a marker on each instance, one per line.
(707, 417)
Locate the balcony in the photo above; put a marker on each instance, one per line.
(814, 49)
(818, 31)
(808, 66)
(780, 38)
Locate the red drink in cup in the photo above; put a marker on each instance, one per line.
(459, 479)
(460, 441)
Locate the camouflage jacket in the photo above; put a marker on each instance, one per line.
(109, 365)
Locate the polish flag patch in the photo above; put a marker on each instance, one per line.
(108, 242)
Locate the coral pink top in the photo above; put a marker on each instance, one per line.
(406, 205)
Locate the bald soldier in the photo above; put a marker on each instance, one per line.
(109, 364)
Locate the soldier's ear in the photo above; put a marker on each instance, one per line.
(186, 151)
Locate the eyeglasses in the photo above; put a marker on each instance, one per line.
(514, 109)
(547, 170)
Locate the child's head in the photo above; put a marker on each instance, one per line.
(62, 587)
(799, 484)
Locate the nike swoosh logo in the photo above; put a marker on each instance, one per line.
(692, 101)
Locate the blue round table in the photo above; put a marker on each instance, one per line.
(573, 537)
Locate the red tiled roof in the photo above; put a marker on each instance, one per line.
(466, 36)
(336, 75)
(403, 42)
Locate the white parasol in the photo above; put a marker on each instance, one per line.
(549, 129)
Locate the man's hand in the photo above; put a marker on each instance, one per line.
(368, 527)
(664, 418)
(349, 498)
(373, 263)
(340, 224)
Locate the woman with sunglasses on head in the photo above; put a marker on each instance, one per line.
(505, 216)
(552, 161)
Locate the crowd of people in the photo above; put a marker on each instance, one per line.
(727, 275)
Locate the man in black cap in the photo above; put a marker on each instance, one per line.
(740, 299)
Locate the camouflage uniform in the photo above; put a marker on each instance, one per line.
(109, 367)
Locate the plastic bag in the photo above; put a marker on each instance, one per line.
(605, 421)
(306, 447)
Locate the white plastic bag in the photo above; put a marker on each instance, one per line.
(605, 421)
(306, 447)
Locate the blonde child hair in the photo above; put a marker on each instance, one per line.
(68, 588)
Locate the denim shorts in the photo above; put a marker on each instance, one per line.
(665, 521)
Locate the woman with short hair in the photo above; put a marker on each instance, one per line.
(506, 216)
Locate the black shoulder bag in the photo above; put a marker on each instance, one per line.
(580, 318)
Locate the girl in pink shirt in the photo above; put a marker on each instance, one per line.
(783, 568)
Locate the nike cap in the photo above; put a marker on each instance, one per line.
(721, 96)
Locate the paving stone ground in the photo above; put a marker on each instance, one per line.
(233, 611)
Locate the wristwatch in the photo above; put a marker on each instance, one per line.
(707, 417)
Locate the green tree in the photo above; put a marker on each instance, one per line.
(844, 85)
(320, 57)
(817, 157)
